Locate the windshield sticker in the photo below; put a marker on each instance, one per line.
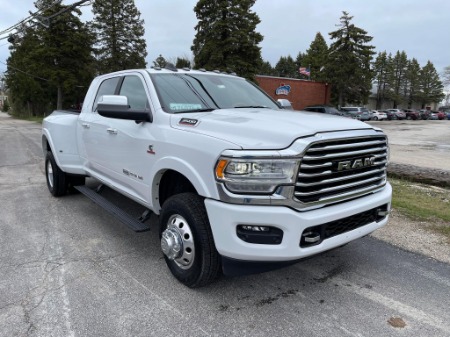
(283, 89)
(184, 106)
(188, 121)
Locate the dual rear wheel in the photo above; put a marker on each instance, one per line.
(59, 182)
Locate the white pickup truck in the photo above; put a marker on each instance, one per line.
(240, 184)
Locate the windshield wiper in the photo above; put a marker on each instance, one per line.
(195, 110)
(250, 106)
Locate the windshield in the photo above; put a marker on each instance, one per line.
(197, 92)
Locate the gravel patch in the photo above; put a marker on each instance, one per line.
(411, 235)
(414, 236)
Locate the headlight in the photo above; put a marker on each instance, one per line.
(256, 175)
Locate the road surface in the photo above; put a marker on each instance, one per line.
(67, 268)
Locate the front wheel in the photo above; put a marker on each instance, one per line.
(187, 241)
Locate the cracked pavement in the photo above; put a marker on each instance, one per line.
(67, 268)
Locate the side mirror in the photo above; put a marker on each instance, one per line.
(115, 106)
(284, 104)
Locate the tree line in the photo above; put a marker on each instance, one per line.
(350, 65)
(52, 65)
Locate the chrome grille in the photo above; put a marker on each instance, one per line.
(341, 169)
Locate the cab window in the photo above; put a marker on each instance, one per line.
(133, 88)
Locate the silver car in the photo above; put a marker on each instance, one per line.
(361, 113)
(378, 115)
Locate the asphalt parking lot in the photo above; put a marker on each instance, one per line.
(416, 142)
(67, 268)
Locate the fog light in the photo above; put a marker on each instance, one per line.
(255, 228)
(266, 235)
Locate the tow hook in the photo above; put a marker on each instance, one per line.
(311, 237)
(383, 212)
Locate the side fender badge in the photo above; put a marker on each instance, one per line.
(188, 121)
(150, 150)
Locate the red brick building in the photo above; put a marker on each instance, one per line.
(300, 93)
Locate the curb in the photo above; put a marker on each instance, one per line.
(419, 174)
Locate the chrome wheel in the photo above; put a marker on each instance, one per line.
(50, 174)
(177, 242)
(187, 241)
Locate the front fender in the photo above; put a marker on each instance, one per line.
(201, 177)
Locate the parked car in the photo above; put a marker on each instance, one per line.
(361, 113)
(366, 116)
(412, 114)
(441, 115)
(424, 114)
(390, 115)
(448, 115)
(349, 114)
(378, 115)
(433, 115)
(398, 113)
(324, 109)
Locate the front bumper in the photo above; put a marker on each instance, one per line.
(224, 219)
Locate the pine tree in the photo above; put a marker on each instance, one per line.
(225, 37)
(381, 68)
(316, 58)
(349, 58)
(160, 62)
(119, 32)
(413, 78)
(51, 61)
(430, 85)
(266, 69)
(397, 78)
(27, 90)
(182, 62)
(286, 67)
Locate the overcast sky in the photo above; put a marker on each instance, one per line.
(420, 28)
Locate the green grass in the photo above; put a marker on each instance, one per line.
(423, 203)
(37, 119)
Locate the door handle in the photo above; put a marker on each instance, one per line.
(112, 131)
(85, 125)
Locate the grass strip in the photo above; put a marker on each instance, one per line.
(422, 202)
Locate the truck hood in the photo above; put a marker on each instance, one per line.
(262, 128)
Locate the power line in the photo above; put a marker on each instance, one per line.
(35, 15)
(28, 18)
(24, 72)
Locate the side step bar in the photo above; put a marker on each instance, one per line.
(136, 225)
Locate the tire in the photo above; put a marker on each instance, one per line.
(187, 242)
(56, 179)
(375, 118)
